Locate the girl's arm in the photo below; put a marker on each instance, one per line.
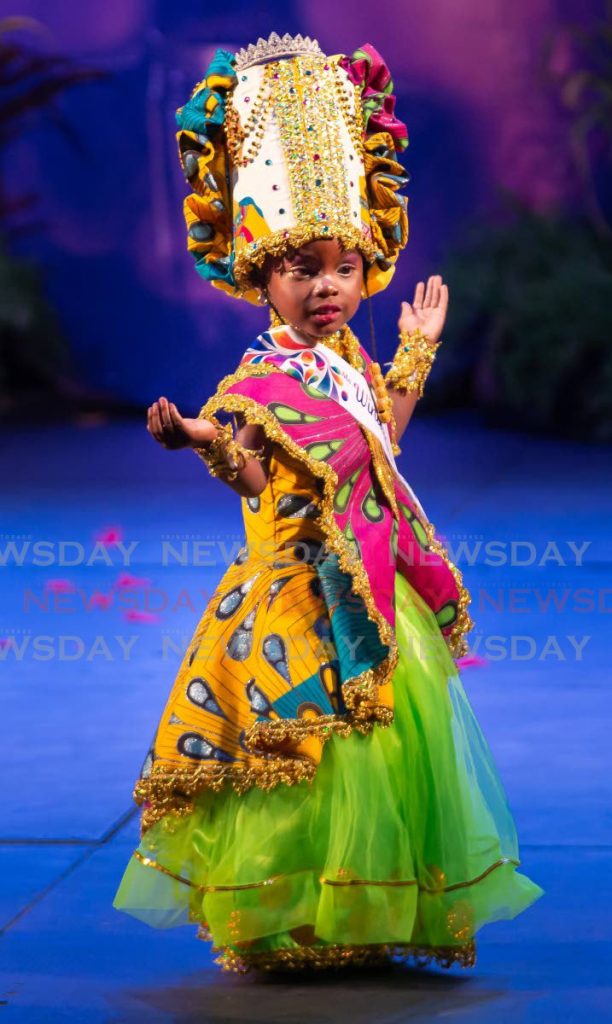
(173, 431)
(404, 405)
(427, 312)
(253, 478)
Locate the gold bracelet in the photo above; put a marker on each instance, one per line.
(412, 362)
(226, 457)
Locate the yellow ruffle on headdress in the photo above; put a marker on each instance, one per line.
(283, 145)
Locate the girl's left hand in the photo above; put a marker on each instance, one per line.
(428, 309)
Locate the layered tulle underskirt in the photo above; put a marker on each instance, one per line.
(402, 846)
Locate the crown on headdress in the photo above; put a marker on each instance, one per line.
(276, 48)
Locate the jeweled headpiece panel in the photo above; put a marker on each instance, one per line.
(295, 137)
(282, 151)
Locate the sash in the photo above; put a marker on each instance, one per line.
(323, 369)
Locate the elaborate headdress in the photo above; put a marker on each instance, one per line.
(283, 145)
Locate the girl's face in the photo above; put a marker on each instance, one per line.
(318, 288)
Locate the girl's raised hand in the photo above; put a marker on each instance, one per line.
(428, 309)
(166, 425)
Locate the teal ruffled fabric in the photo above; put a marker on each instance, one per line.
(204, 112)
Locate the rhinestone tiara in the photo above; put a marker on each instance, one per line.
(275, 48)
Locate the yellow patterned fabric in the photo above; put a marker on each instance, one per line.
(239, 663)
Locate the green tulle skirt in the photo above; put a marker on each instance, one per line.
(403, 844)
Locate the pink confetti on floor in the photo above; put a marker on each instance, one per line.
(109, 535)
(100, 600)
(134, 615)
(125, 579)
(60, 586)
(471, 661)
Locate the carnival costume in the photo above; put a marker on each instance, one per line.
(318, 791)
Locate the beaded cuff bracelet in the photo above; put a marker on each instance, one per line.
(412, 362)
(226, 457)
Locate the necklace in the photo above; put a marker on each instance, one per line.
(345, 344)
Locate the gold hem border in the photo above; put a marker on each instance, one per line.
(172, 790)
(336, 956)
(456, 641)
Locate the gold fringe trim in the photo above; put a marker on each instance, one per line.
(277, 244)
(365, 714)
(171, 790)
(269, 734)
(456, 640)
(300, 958)
(384, 472)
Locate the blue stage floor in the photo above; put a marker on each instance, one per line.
(85, 679)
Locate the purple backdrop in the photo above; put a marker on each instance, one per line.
(108, 225)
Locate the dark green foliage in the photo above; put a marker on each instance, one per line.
(529, 336)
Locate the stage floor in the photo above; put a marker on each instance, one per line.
(98, 632)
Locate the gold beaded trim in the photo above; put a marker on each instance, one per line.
(277, 244)
(384, 473)
(360, 695)
(353, 118)
(306, 111)
(346, 344)
(422, 888)
(412, 362)
(171, 790)
(237, 135)
(337, 956)
(383, 398)
(456, 640)
(149, 862)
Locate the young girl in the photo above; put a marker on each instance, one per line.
(318, 791)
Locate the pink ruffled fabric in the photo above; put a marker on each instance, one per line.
(367, 69)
